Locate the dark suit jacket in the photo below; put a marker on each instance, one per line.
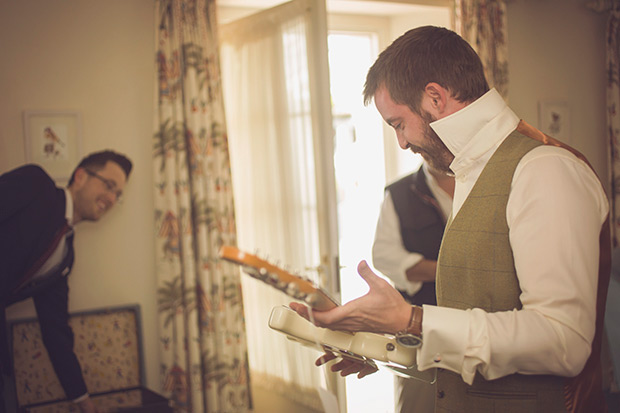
(32, 211)
(421, 225)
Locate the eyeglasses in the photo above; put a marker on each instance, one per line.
(109, 185)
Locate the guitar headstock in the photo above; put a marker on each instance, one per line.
(293, 285)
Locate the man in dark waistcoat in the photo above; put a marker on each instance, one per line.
(407, 239)
(524, 265)
(36, 251)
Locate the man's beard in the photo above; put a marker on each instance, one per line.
(435, 152)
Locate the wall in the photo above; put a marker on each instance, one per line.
(96, 57)
(557, 51)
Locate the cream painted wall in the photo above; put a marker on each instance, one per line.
(557, 51)
(96, 57)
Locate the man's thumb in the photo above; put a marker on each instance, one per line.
(366, 273)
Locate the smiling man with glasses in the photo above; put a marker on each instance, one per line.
(97, 184)
(36, 251)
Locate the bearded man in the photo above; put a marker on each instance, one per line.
(524, 265)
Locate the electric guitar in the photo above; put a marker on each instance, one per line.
(363, 347)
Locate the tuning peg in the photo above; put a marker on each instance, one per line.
(292, 289)
(311, 299)
(272, 278)
(250, 271)
(263, 273)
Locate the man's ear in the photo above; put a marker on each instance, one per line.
(79, 178)
(436, 98)
(439, 102)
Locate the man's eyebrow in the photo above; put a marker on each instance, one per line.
(391, 121)
(112, 181)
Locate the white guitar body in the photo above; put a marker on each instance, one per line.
(360, 346)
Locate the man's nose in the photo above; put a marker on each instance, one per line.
(402, 142)
(112, 197)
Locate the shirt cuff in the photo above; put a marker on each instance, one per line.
(445, 333)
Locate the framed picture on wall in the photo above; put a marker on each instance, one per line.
(554, 119)
(53, 139)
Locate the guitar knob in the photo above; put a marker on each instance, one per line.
(263, 273)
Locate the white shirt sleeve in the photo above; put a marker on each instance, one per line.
(555, 212)
(389, 255)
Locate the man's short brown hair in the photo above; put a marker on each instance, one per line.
(423, 55)
(97, 161)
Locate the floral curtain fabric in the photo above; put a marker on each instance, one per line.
(483, 24)
(613, 114)
(612, 8)
(203, 342)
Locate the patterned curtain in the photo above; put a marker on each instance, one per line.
(613, 105)
(483, 24)
(203, 346)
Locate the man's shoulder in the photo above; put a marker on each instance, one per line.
(26, 185)
(30, 173)
(31, 169)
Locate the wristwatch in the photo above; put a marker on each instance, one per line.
(411, 337)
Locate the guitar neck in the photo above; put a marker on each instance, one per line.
(295, 286)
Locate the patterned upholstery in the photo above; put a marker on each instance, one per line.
(108, 345)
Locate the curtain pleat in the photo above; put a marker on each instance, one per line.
(483, 24)
(613, 115)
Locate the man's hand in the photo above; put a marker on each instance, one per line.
(87, 406)
(381, 310)
(347, 366)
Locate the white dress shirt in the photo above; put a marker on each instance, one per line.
(555, 211)
(388, 252)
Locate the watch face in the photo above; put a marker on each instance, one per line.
(409, 340)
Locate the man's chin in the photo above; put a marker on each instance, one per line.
(93, 217)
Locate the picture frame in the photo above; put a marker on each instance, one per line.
(554, 119)
(53, 140)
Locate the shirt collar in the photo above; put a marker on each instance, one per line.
(472, 131)
(68, 206)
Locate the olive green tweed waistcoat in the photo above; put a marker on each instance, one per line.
(476, 270)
